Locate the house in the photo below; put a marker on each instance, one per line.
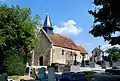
(97, 55)
(56, 48)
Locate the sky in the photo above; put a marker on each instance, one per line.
(69, 18)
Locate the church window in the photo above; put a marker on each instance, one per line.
(62, 51)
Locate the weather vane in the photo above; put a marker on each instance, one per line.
(47, 10)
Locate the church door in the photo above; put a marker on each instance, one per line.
(41, 60)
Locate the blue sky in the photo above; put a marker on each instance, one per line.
(69, 17)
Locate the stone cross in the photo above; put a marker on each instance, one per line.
(75, 61)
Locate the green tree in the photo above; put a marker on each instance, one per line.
(18, 30)
(114, 53)
(106, 20)
(14, 62)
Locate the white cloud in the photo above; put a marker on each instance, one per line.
(107, 46)
(68, 28)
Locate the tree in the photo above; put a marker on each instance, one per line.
(14, 62)
(106, 20)
(18, 30)
(114, 53)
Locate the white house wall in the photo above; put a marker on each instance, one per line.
(57, 57)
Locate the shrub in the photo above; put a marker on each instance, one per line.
(14, 63)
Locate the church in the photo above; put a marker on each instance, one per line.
(56, 48)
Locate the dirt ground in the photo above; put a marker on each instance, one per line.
(25, 77)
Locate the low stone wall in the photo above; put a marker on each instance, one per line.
(90, 69)
(38, 67)
(80, 69)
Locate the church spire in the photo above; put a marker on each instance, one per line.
(47, 26)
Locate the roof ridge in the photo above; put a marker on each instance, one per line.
(63, 36)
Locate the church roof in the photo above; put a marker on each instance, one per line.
(62, 41)
(47, 22)
(59, 40)
(82, 50)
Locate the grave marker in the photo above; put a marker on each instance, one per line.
(51, 74)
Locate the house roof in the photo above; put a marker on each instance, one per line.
(62, 41)
(97, 49)
(82, 50)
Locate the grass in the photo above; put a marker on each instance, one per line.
(88, 74)
(13, 77)
(9, 77)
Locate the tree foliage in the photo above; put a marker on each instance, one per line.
(18, 30)
(14, 63)
(106, 20)
(114, 53)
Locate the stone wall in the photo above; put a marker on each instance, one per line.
(46, 58)
(42, 48)
(57, 56)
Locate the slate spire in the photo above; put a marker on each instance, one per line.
(47, 26)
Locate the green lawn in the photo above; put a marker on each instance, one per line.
(13, 77)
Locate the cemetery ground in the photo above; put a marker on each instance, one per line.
(87, 75)
(18, 78)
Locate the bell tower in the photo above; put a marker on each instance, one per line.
(47, 26)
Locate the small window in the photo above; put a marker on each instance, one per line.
(62, 51)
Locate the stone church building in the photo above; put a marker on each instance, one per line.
(56, 48)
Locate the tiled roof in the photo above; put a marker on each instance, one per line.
(82, 50)
(62, 41)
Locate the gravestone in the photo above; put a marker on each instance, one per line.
(74, 69)
(33, 73)
(61, 68)
(94, 65)
(3, 77)
(66, 68)
(41, 73)
(51, 74)
(27, 68)
(116, 64)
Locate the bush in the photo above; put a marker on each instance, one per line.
(14, 63)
